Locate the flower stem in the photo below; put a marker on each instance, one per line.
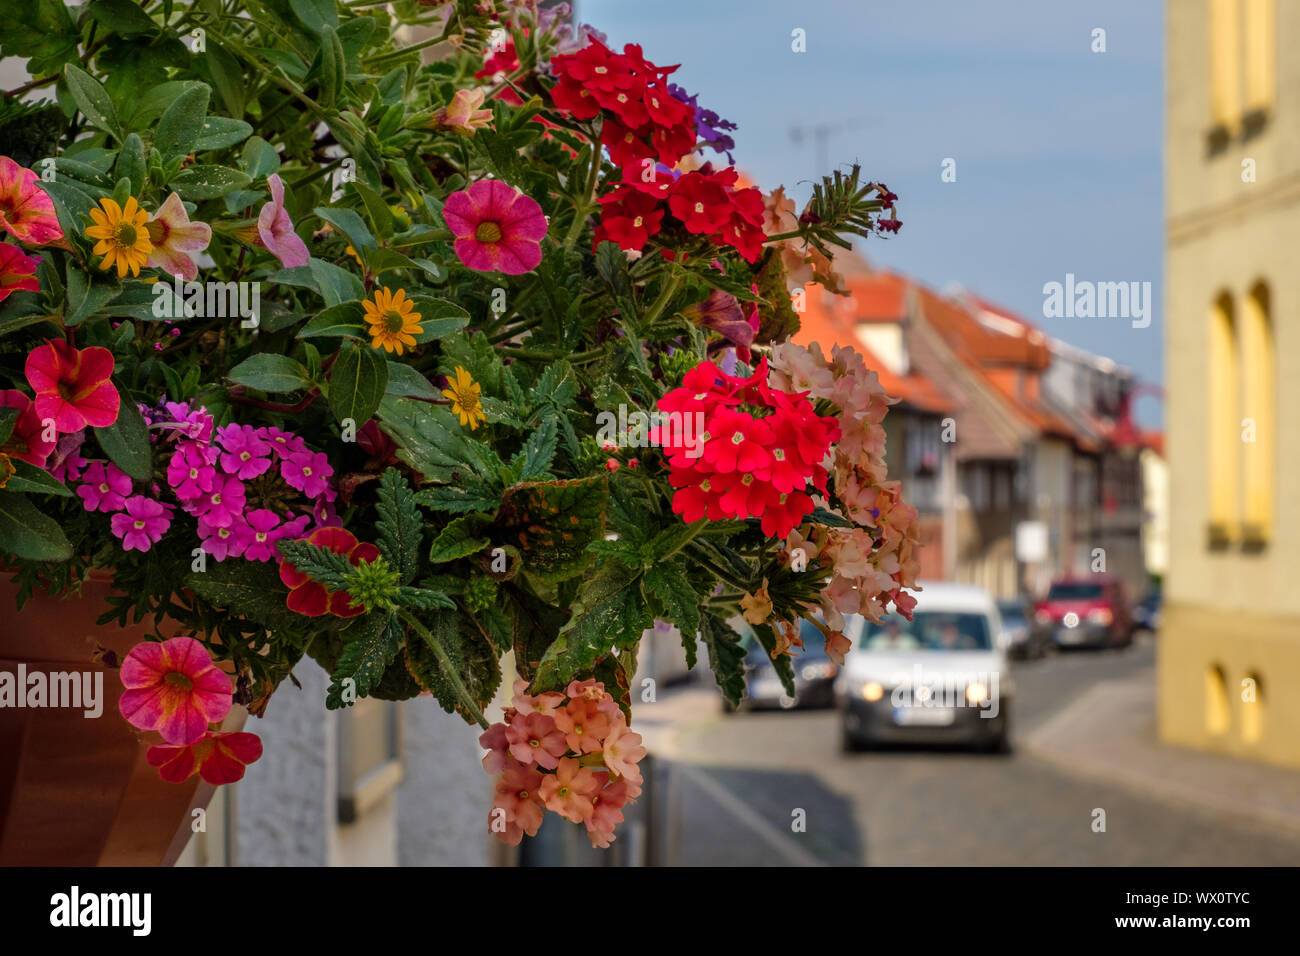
(444, 661)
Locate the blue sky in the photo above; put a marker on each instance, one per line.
(1059, 150)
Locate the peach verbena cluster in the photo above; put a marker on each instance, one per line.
(569, 753)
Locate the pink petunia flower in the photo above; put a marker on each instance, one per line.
(17, 271)
(245, 453)
(72, 386)
(26, 212)
(194, 423)
(174, 237)
(217, 758)
(142, 524)
(104, 487)
(174, 688)
(496, 228)
(276, 229)
(27, 440)
(307, 471)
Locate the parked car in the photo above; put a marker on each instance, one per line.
(1146, 613)
(1019, 638)
(814, 674)
(939, 678)
(1085, 612)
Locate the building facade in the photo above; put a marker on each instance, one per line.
(1229, 650)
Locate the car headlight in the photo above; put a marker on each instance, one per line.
(817, 671)
(976, 692)
(872, 691)
(1100, 615)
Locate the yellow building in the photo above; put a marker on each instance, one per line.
(1229, 647)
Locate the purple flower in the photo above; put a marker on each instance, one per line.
(142, 524)
(307, 471)
(223, 504)
(259, 533)
(222, 543)
(246, 454)
(104, 487)
(66, 462)
(710, 127)
(284, 443)
(190, 472)
(194, 424)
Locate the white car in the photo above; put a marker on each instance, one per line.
(940, 678)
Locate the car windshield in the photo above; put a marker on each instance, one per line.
(1074, 592)
(929, 631)
(1013, 613)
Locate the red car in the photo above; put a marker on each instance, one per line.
(1091, 611)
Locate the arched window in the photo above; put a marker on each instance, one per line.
(1223, 419)
(1225, 62)
(1258, 412)
(1218, 711)
(1252, 708)
(1261, 43)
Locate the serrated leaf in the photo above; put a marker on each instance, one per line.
(681, 605)
(429, 439)
(726, 656)
(373, 641)
(557, 385)
(470, 654)
(249, 589)
(327, 567)
(607, 615)
(457, 499)
(534, 460)
(399, 524)
(551, 523)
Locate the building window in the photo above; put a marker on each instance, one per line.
(1259, 416)
(1261, 79)
(1243, 72)
(1224, 420)
(1225, 62)
(370, 765)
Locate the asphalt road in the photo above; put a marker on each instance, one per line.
(748, 780)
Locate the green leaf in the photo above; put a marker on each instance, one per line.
(315, 15)
(399, 524)
(8, 417)
(131, 162)
(534, 460)
(348, 222)
(332, 67)
(181, 123)
(438, 317)
(260, 158)
(220, 132)
(227, 75)
(333, 284)
(28, 533)
(248, 589)
(457, 540)
(40, 29)
(457, 499)
(357, 382)
(551, 523)
(92, 99)
(87, 294)
(608, 612)
(156, 99)
(372, 643)
(20, 310)
(342, 321)
(381, 217)
(667, 582)
(726, 656)
(208, 182)
(328, 568)
(30, 478)
(558, 385)
(405, 379)
(122, 16)
(471, 655)
(126, 441)
(430, 439)
(270, 373)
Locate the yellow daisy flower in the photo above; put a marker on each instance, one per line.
(465, 402)
(393, 320)
(123, 236)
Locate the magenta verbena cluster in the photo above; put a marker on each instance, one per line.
(248, 487)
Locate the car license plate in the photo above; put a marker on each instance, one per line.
(1069, 635)
(923, 716)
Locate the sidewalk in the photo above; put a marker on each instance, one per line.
(1109, 734)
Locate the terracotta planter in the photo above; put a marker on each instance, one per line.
(77, 791)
